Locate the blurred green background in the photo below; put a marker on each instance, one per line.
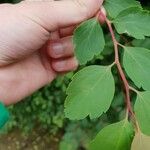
(38, 122)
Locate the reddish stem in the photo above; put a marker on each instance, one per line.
(120, 70)
(117, 61)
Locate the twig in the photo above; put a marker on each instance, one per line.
(120, 70)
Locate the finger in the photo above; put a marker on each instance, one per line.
(68, 31)
(23, 78)
(61, 48)
(54, 35)
(56, 14)
(38, 0)
(69, 64)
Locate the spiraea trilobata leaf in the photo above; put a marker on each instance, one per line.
(90, 93)
(114, 7)
(88, 40)
(133, 21)
(116, 136)
(142, 111)
(136, 61)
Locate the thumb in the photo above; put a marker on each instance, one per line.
(56, 14)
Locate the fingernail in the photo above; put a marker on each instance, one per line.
(57, 48)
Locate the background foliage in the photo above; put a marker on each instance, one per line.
(44, 109)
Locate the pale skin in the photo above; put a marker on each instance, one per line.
(36, 43)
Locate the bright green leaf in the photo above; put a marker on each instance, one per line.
(114, 7)
(136, 62)
(89, 40)
(135, 22)
(142, 111)
(90, 93)
(116, 136)
(141, 142)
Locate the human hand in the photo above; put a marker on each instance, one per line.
(36, 43)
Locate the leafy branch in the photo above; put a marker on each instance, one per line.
(118, 64)
(93, 87)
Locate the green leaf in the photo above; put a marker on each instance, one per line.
(136, 62)
(89, 40)
(90, 93)
(142, 43)
(142, 111)
(134, 21)
(114, 7)
(141, 142)
(116, 136)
